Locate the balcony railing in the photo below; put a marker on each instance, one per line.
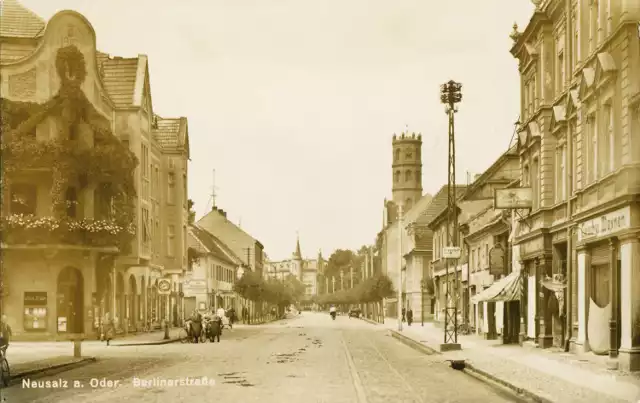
(20, 229)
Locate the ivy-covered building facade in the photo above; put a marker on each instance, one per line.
(94, 201)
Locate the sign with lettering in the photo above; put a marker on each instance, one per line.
(513, 198)
(451, 252)
(35, 298)
(605, 225)
(496, 260)
(164, 286)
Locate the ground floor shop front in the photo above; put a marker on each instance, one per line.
(57, 294)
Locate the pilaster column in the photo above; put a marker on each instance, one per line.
(613, 292)
(522, 336)
(629, 351)
(581, 344)
(544, 325)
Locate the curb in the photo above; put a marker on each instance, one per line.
(51, 369)
(146, 343)
(495, 381)
(423, 348)
(472, 371)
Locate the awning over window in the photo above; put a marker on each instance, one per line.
(508, 288)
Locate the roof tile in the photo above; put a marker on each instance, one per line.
(119, 77)
(17, 21)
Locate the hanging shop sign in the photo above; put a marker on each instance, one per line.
(164, 286)
(35, 311)
(451, 252)
(496, 260)
(605, 225)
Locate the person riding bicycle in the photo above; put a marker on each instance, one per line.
(5, 332)
(332, 311)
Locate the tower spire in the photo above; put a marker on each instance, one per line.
(297, 254)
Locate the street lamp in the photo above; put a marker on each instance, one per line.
(450, 95)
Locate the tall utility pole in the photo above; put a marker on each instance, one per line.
(450, 95)
(351, 275)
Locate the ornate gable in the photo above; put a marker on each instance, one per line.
(558, 118)
(605, 68)
(586, 82)
(573, 103)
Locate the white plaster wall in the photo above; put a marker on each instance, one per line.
(531, 306)
(582, 313)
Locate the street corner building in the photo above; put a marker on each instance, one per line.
(579, 147)
(94, 213)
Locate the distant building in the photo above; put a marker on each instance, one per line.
(305, 270)
(209, 282)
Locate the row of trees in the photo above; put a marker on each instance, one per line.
(254, 287)
(372, 289)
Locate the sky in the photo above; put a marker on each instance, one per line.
(293, 103)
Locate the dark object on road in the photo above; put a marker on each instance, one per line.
(355, 313)
(457, 364)
(333, 315)
(409, 316)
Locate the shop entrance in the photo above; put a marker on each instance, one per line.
(70, 301)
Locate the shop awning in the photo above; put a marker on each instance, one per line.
(508, 288)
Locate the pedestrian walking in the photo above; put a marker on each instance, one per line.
(109, 328)
(409, 316)
(404, 314)
(245, 314)
(5, 332)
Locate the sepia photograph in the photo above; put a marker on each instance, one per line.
(355, 201)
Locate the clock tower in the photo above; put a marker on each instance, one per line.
(407, 169)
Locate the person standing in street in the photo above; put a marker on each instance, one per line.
(245, 315)
(404, 315)
(5, 332)
(409, 316)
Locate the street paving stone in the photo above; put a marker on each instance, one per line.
(305, 359)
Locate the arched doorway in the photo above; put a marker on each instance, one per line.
(143, 301)
(120, 301)
(70, 301)
(133, 301)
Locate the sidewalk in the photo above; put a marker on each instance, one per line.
(545, 375)
(147, 339)
(30, 358)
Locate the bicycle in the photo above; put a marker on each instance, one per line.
(5, 371)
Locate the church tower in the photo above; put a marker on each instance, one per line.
(407, 169)
(297, 260)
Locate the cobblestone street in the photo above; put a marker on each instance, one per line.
(300, 359)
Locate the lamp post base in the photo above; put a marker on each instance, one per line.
(444, 347)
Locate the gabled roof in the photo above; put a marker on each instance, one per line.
(213, 245)
(17, 21)
(172, 133)
(439, 204)
(118, 77)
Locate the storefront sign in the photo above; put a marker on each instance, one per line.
(36, 298)
(605, 225)
(164, 286)
(451, 252)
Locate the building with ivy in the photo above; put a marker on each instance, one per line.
(94, 195)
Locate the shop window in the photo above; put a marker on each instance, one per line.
(23, 199)
(600, 278)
